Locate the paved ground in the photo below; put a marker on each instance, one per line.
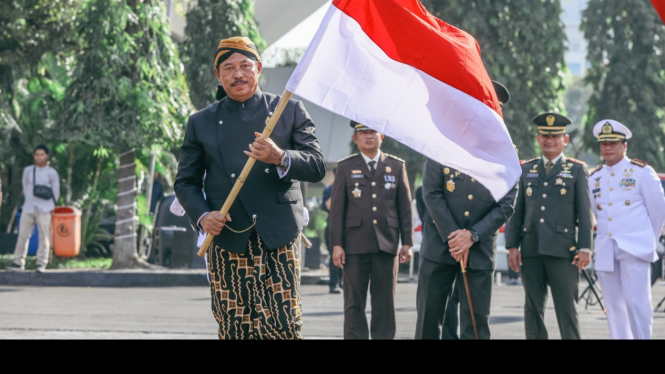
(184, 313)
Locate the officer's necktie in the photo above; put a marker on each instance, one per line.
(548, 167)
(371, 167)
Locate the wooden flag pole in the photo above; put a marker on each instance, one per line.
(270, 125)
(468, 297)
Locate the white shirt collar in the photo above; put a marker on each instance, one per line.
(376, 158)
(619, 164)
(556, 159)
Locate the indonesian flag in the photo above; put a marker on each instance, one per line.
(391, 65)
(660, 8)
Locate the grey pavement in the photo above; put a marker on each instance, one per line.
(29, 312)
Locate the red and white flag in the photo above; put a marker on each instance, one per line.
(394, 67)
(660, 8)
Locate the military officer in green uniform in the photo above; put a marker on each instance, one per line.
(551, 224)
(460, 224)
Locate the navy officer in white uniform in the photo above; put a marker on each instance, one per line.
(628, 202)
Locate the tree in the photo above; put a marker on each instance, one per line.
(128, 92)
(626, 51)
(522, 45)
(208, 22)
(35, 35)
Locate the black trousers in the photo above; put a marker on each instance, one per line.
(435, 287)
(378, 272)
(537, 273)
(335, 272)
(450, 317)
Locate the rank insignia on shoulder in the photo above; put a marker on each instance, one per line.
(394, 157)
(347, 157)
(580, 162)
(594, 171)
(638, 162)
(532, 160)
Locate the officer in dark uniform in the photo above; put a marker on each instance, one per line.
(449, 318)
(460, 224)
(369, 215)
(552, 222)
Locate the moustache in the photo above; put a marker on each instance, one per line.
(239, 81)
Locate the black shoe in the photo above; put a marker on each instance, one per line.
(335, 290)
(15, 267)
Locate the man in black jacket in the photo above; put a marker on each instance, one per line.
(254, 262)
(460, 224)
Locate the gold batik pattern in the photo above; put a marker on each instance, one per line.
(256, 294)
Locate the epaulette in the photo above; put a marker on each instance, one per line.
(532, 160)
(395, 157)
(639, 163)
(596, 169)
(347, 157)
(576, 161)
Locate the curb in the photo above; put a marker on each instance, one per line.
(119, 278)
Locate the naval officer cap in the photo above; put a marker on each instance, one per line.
(357, 126)
(551, 123)
(501, 92)
(609, 130)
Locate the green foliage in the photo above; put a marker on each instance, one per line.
(129, 86)
(626, 50)
(522, 45)
(59, 263)
(208, 22)
(29, 30)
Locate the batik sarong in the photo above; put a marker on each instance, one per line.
(256, 294)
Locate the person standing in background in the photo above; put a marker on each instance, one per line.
(335, 272)
(630, 209)
(37, 210)
(370, 213)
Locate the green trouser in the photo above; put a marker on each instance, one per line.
(435, 286)
(537, 273)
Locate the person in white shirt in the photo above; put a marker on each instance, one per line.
(37, 210)
(628, 202)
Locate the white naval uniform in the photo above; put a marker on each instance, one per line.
(629, 205)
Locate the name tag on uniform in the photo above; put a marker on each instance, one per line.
(532, 175)
(357, 176)
(596, 190)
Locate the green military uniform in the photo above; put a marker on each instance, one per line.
(552, 221)
(456, 201)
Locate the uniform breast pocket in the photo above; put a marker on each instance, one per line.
(564, 193)
(356, 187)
(486, 196)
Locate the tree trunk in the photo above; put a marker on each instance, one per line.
(124, 242)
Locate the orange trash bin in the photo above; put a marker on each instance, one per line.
(66, 231)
